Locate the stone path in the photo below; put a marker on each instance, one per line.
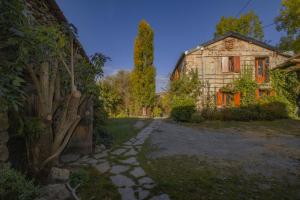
(124, 169)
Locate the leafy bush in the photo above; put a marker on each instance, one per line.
(157, 111)
(265, 111)
(80, 176)
(183, 108)
(14, 185)
(197, 118)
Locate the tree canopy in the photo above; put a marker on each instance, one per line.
(289, 21)
(143, 74)
(248, 24)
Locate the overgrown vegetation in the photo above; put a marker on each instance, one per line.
(14, 185)
(47, 59)
(183, 94)
(94, 185)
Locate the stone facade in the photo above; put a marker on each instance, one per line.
(207, 60)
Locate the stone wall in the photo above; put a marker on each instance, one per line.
(208, 62)
(3, 137)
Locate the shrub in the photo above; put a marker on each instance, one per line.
(80, 176)
(263, 111)
(183, 108)
(14, 185)
(197, 118)
(157, 111)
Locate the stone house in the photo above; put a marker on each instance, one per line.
(224, 59)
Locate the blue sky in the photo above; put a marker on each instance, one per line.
(110, 26)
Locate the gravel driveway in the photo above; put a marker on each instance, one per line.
(272, 156)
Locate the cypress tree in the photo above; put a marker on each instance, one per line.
(143, 74)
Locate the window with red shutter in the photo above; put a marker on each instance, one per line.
(237, 64)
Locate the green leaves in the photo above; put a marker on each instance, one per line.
(248, 24)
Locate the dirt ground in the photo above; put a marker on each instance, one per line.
(275, 155)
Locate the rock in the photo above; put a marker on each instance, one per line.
(100, 155)
(91, 161)
(99, 148)
(149, 186)
(67, 158)
(143, 194)
(138, 172)
(102, 167)
(117, 169)
(132, 152)
(127, 193)
(122, 181)
(145, 180)
(161, 197)
(130, 161)
(139, 142)
(118, 151)
(59, 175)
(54, 192)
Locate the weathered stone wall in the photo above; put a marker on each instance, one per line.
(3, 137)
(208, 62)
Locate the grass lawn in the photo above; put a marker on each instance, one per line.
(97, 187)
(285, 126)
(194, 178)
(123, 129)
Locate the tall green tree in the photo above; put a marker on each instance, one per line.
(289, 21)
(248, 24)
(143, 74)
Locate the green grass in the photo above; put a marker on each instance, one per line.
(193, 178)
(97, 187)
(286, 126)
(123, 129)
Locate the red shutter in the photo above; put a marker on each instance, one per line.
(237, 64)
(219, 98)
(237, 99)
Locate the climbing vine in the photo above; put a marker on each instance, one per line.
(246, 86)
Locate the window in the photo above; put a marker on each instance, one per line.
(262, 70)
(228, 99)
(231, 64)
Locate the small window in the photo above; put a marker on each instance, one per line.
(231, 64)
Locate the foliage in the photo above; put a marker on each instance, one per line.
(287, 88)
(247, 87)
(189, 84)
(115, 93)
(248, 24)
(289, 21)
(157, 111)
(14, 185)
(268, 110)
(197, 117)
(97, 187)
(143, 74)
(182, 108)
(79, 176)
(12, 19)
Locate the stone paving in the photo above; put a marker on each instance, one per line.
(124, 169)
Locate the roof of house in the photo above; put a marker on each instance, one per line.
(234, 35)
(292, 64)
(57, 13)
